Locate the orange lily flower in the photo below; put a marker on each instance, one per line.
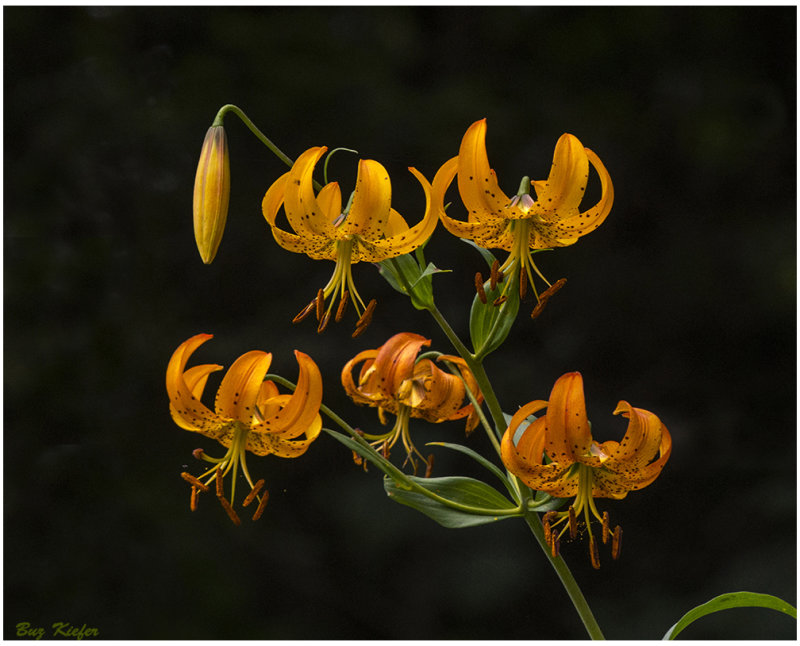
(557, 454)
(249, 415)
(393, 379)
(368, 229)
(521, 223)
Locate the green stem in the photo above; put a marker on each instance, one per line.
(475, 364)
(567, 580)
(260, 135)
(396, 474)
(476, 367)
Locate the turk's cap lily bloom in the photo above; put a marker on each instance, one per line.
(557, 454)
(212, 188)
(551, 217)
(394, 379)
(249, 413)
(366, 229)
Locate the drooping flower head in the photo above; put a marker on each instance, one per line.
(557, 454)
(367, 229)
(249, 415)
(523, 223)
(394, 379)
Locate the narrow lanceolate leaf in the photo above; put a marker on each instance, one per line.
(368, 454)
(478, 458)
(731, 600)
(486, 504)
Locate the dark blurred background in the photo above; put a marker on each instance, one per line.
(683, 303)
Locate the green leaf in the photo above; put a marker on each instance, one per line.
(409, 275)
(545, 502)
(488, 256)
(477, 499)
(479, 459)
(489, 325)
(372, 456)
(731, 600)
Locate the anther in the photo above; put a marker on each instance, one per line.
(193, 501)
(573, 522)
(193, 481)
(499, 300)
(366, 318)
(198, 454)
(320, 302)
(496, 276)
(555, 545)
(261, 505)
(429, 468)
(324, 323)
(606, 527)
(616, 539)
(305, 311)
(218, 478)
(594, 553)
(479, 287)
(342, 306)
(545, 296)
(548, 532)
(230, 510)
(253, 493)
(523, 282)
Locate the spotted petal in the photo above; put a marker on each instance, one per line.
(237, 394)
(185, 405)
(569, 436)
(477, 183)
(372, 200)
(305, 216)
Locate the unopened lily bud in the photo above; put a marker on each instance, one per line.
(212, 187)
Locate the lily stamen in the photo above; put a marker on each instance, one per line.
(496, 277)
(616, 542)
(342, 306)
(479, 287)
(193, 481)
(253, 493)
(305, 311)
(261, 505)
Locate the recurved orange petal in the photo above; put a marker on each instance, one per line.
(565, 186)
(184, 404)
(569, 436)
(477, 183)
(403, 241)
(266, 443)
(372, 200)
(525, 459)
(305, 216)
(296, 415)
(395, 360)
(238, 392)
